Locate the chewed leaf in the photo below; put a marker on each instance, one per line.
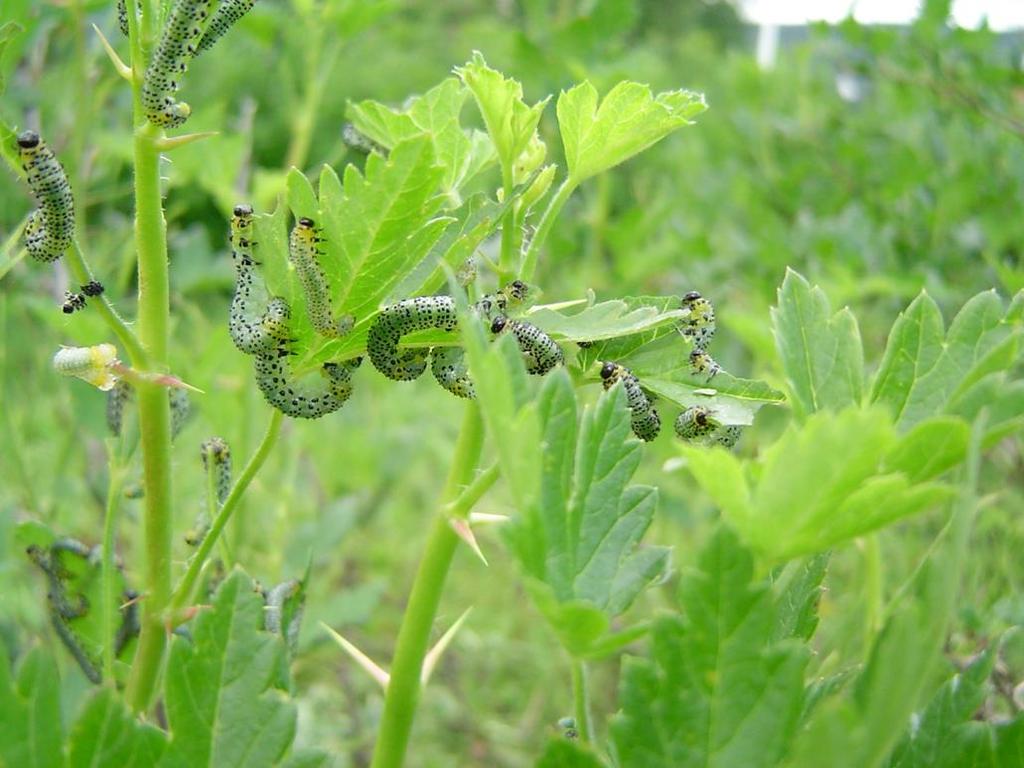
(733, 400)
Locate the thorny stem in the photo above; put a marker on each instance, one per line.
(108, 568)
(154, 404)
(83, 274)
(403, 690)
(183, 592)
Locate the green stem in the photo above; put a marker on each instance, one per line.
(154, 410)
(581, 702)
(506, 263)
(403, 690)
(874, 598)
(544, 227)
(461, 506)
(183, 592)
(108, 568)
(80, 270)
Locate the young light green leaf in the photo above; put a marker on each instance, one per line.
(510, 123)
(30, 718)
(716, 689)
(565, 754)
(858, 727)
(629, 120)
(821, 352)
(926, 370)
(499, 376)
(820, 485)
(435, 113)
(580, 539)
(106, 733)
(946, 735)
(797, 594)
(221, 706)
(930, 448)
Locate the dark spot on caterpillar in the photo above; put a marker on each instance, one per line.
(51, 227)
(449, 368)
(644, 417)
(306, 397)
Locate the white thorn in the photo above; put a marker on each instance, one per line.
(369, 665)
(434, 654)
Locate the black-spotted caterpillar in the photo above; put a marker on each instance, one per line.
(170, 60)
(540, 352)
(699, 423)
(304, 253)
(438, 312)
(69, 566)
(699, 323)
(51, 227)
(216, 457)
(644, 417)
(227, 13)
(317, 393)
(257, 323)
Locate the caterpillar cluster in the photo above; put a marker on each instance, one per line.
(644, 416)
(540, 352)
(51, 227)
(216, 457)
(260, 325)
(698, 423)
(67, 604)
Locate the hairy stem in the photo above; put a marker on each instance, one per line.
(80, 270)
(403, 690)
(107, 567)
(183, 592)
(544, 227)
(581, 701)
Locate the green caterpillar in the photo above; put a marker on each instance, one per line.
(311, 397)
(644, 417)
(51, 227)
(448, 365)
(283, 611)
(227, 13)
(698, 422)
(699, 324)
(216, 457)
(540, 352)
(304, 254)
(170, 60)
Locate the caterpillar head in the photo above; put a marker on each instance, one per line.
(306, 223)
(691, 297)
(243, 211)
(608, 370)
(28, 139)
(498, 324)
